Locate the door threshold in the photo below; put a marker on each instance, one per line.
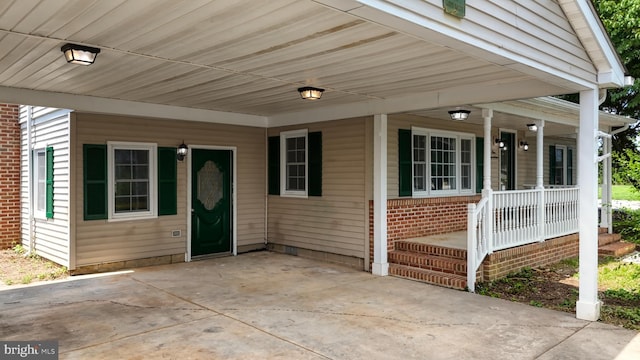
(211, 256)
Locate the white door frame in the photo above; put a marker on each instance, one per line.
(234, 207)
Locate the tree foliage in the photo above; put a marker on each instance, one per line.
(621, 19)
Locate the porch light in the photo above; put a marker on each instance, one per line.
(310, 93)
(532, 127)
(500, 143)
(79, 54)
(182, 151)
(524, 145)
(459, 115)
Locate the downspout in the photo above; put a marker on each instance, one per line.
(266, 188)
(30, 172)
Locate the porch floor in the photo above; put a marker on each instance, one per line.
(454, 240)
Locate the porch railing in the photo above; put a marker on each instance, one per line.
(508, 219)
(478, 225)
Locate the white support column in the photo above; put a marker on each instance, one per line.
(540, 155)
(380, 265)
(487, 115)
(540, 180)
(588, 305)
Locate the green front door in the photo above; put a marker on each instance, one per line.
(211, 230)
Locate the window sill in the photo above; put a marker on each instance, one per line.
(133, 218)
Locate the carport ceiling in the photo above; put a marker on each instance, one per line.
(241, 56)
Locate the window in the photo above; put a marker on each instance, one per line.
(43, 182)
(560, 165)
(131, 180)
(294, 163)
(437, 162)
(120, 181)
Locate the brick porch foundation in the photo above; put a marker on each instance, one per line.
(503, 262)
(411, 218)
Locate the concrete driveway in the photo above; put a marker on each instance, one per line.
(270, 306)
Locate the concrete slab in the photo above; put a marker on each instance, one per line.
(272, 306)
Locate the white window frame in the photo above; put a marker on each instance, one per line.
(40, 214)
(153, 194)
(448, 134)
(283, 163)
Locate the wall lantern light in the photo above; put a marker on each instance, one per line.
(532, 127)
(459, 115)
(79, 54)
(182, 151)
(500, 143)
(310, 93)
(524, 145)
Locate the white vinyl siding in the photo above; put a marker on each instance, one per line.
(49, 128)
(100, 241)
(532, 31)
(335, 222)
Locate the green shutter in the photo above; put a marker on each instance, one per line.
(569, 166)
(274, 165)
(404, 163)
(167, 181)
(49, 183)
(95, 181)
(552, 164)
(479, 163)
(315, 164)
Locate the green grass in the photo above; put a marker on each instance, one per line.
(624, 192)
(620, 276)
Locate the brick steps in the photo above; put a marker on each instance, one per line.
(605, 238)
(616, 249)
(429, 262)
(447, 267)
(429, 249)
(612, 245)
(432, 277)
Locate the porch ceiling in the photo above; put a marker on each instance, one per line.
(241, 56)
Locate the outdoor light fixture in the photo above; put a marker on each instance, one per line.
(310, 93)
(524, 145)
(532, 127)
(79, 54)
(182, 151)
(500, 143)
(459, 114)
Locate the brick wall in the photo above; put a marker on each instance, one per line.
(501, 263)
(411, 218)
(9, 175)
